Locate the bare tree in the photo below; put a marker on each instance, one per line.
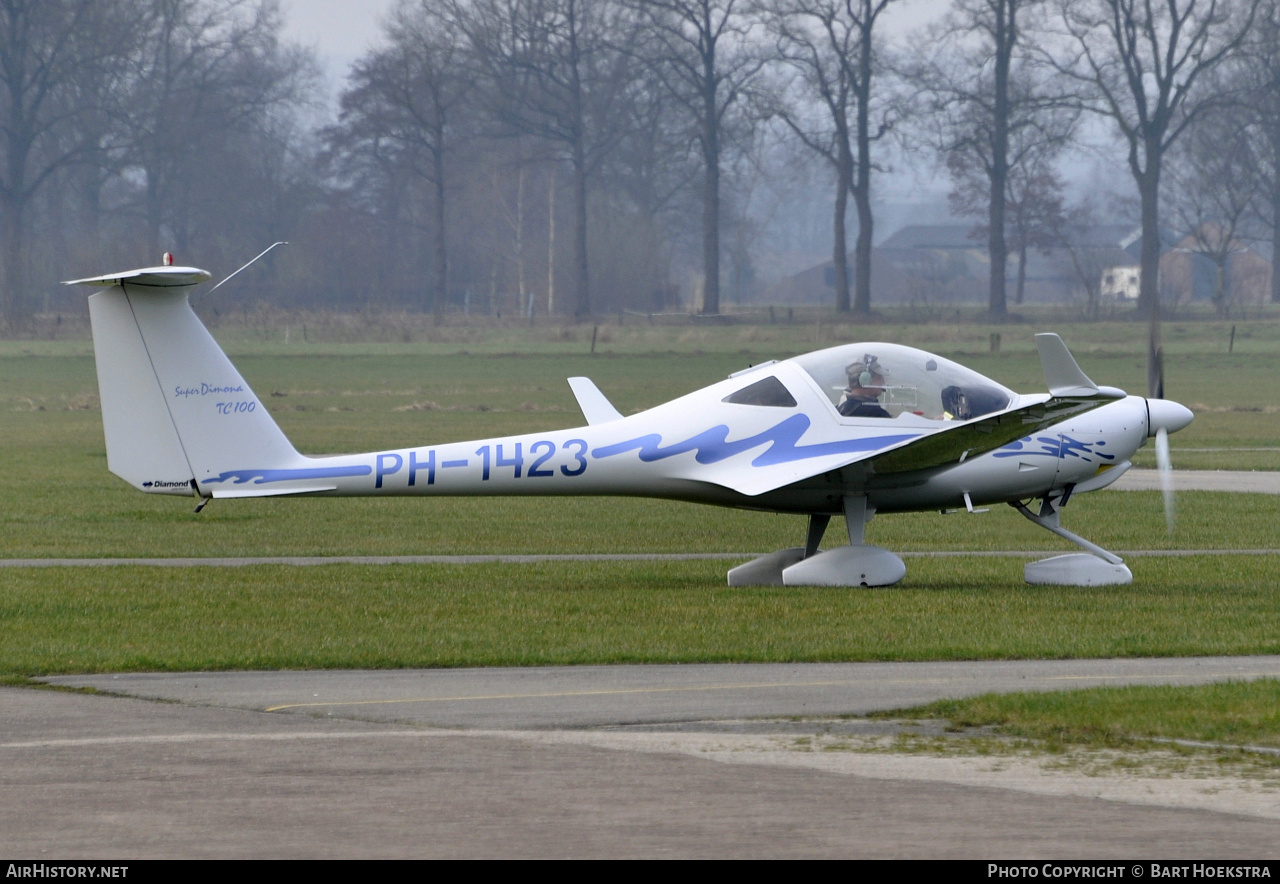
(831, 46)
(555, 69)
(401, 108)
(209, 75)
(1032, 210)
(1034, 207)
(1143, 65)
(700, 51)
(996, 120)
(1088, 264)
(47, 49)
(1262, 100)
(1213, 179)
(648, 183)
(653, 161)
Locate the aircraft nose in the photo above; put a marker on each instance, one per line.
(1163, 414)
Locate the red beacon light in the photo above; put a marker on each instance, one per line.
(168, 259)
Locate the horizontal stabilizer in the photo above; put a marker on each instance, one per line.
(153, 276)
(595, 407)
(219, 493)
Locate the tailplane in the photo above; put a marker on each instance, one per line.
(178, 417)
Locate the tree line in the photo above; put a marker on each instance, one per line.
(576, 157)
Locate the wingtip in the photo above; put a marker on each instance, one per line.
(1061, 371)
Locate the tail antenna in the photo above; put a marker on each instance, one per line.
(259, 255)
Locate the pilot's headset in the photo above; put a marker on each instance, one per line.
(871, 369)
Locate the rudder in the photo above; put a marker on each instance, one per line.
(174, 408)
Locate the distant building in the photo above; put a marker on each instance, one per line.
(938, 262)
(1121, 283)
(948, 263)
(816, 285)
(1188, 271)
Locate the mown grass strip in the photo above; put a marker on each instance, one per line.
(1227, 714)
(62, 620)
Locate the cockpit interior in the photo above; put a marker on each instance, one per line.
(890, 381)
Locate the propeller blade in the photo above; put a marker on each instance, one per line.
(1155, 361)
(1165, 465)
(1155, 390)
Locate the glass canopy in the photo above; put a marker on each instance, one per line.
(888, 380)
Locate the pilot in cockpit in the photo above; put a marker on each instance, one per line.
(955, 404)
(861, 397)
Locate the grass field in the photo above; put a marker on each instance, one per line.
(58, 500)
(350, 616)
(512, 380)
(345, 388)
(1239, 713)
(1230, 729)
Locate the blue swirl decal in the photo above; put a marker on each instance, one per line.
(264, 476)
(713, 446)
(1054, 446)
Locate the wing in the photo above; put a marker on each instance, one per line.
(787, 460)
(956, 444)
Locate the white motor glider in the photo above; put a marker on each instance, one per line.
(852, 430)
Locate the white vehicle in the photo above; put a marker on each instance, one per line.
(853, 430)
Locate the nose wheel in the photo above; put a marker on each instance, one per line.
(1095, 568)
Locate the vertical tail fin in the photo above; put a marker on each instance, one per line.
(175, 412)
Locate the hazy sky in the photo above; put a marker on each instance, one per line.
(343, 30)
(340, 30)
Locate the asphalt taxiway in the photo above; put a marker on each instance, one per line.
(511, 762)
(602, 696)
(1238, 481)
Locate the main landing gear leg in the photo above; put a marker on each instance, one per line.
(817, 527)
(854, 565)
(1075, 569)
(767, 570)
